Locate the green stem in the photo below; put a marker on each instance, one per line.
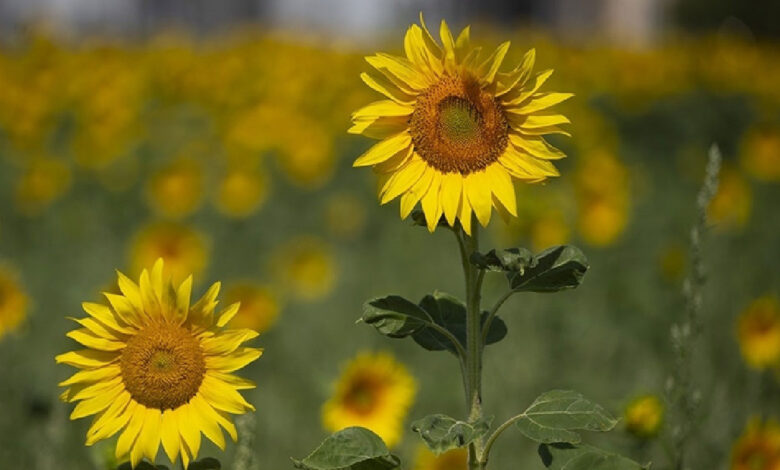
(492, 439)
(473, 370)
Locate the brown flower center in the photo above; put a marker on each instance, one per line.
(363, 395)
(458, 127)
(162, 366)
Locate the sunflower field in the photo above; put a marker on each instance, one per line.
(149, 187)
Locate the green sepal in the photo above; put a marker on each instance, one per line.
(418, 219)
(442, 433)
(450, 313)
(584, 457)
(554, 269)
(353, 448)
(555, 416)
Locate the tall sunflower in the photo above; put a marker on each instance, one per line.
(158, 369)
(454, 130)
(375, 391)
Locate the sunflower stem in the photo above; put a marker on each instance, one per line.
(473, 370)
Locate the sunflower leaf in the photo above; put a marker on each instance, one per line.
(450, 313)
(208, 463)
(555, 415)
(394, 316)
(584, 457)
(353, 448)
(442, 433)
(554, 269)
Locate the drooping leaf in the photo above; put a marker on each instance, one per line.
(353, 448)
(511, 259)
(450, 313)
(394, 316)
(442, 433)
(555, 416)
(557, 268)
(563, 456)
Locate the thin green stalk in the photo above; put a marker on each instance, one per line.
(492, 314)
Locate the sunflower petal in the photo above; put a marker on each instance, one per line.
(107, 317)
(477, 188)
(451, 190)
(411, 197)
(169, 434)
(92, 375)
(519, 95)
(129, 435)
(112, 420)
(502, 187)
(536, 146)
(91, 340)
(227, 341)
(386, 87)
(539, 102)
(234, 361)
(379, 128)
(227, 314)
(87, 358)
(384, 150)
(518, 76)
(203, 413)
(402, 180)
(223, 397)
(400, 69)
(489, 68)
(383, 108)
(430, 202)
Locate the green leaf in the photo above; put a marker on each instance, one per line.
(442, 433)
(394, 316)
(555, 415)
(352, 448)
(563, 456)
(205, 464)
(511, 259)
(554, 269)
(450, 313)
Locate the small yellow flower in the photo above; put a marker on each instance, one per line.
(454, 131)
(758, 448)
(177, 189)
(183, 249)
(455, 459)
(760, 154)
(13, 302)
(345, 215)
(644, 416)
(43, 182)
(603, 200)
(374, 391)
(307, 267)
(731, 206)
(241, 192)
(758, 331)
(158, 368)
(259, 306)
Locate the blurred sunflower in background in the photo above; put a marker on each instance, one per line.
(644, 416)
(731, 206)
(758, 448)
(455, 131)
(306, 267)
(455, 459)
(183, 249)
(13, 302)
(374, 391)
(760, 153)
(758, 332)
(43, 181)
(176, 190)
(241, 191)
(259, 306)
(158, 369)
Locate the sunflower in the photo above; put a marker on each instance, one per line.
(13, 302)
(177, 190)
(375, 392)
(158, 369)
(241, 192)
(454, 459)
(306, 265)
(454, 130)
(758, 331)
(185, 251)
(644, 416)
(758, 448)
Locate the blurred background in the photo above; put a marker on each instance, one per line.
(214, 134)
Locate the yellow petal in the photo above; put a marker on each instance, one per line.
(448, 44)
(130, 290)
(402, 180)
(539, 102)
(83, 391)
(380, 128)
(489, 68)
(149, 297)
(477, 188)
(99, 329)
(239, 383)
(97, 403)
(416, 192)
(535, 146)
(518, 76)
(234, 361)
(526, 166)
(384, 150)
(383, 108)
(384, 86)
(112, 420)
(227, 314)
(415, 50)
(451, 189)
(536, 121)
(223, 397)
(125, 309)
(91, 340)
(92, 375)
(87, 358)
(519, 95)
(464, 212)
(400, 71)
(430, 43)
(129, 435)
(502, 187)
(107, 317)
(396, 162)
(227, 341)
(189, 430)
(169, 434)
(183, 295)
(430, 202)
(203, 413)
(463, 43)
(224, 420)
(149, 437)
(204, 307)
